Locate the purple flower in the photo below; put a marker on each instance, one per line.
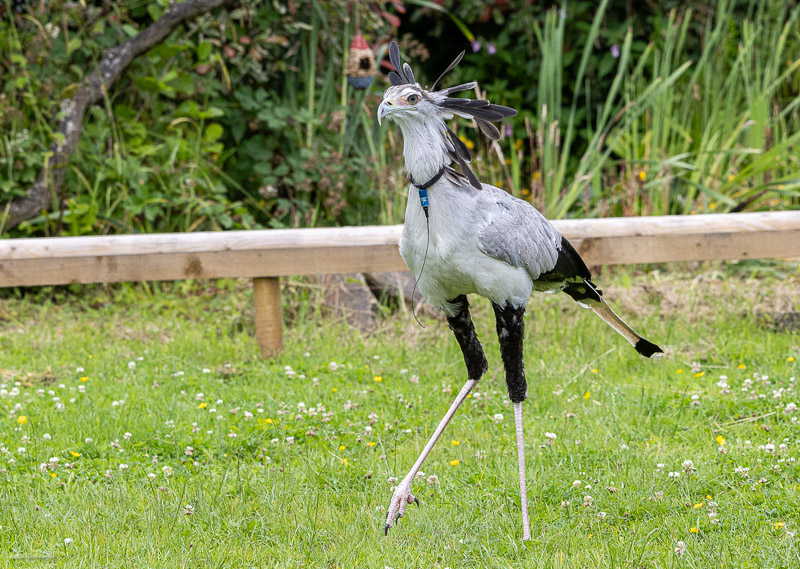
(491, 49)
(476, 46)
(615, 51)
(509, 131)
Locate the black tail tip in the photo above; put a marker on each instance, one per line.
(647, 349)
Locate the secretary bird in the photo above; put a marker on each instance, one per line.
(462, 237)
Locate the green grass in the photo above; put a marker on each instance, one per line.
(260, 501)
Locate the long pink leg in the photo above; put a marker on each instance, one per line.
(523, 487)
(402, 495)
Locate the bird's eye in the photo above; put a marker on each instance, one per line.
(412, 99)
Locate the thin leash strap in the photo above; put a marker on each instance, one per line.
(423, 201)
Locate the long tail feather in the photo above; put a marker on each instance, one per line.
(588, 296)
(603, 310)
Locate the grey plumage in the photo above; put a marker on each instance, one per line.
(519, 236)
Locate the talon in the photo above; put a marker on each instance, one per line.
(386, 529)
(397, 518)
(416, 501)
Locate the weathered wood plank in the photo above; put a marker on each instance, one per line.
(269, 315)
(274, 253)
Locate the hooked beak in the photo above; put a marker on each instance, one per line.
(386, 108)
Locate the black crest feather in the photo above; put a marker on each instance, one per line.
(482, 111)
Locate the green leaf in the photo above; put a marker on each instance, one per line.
(203, 50)
(213, 132)
(74, 45)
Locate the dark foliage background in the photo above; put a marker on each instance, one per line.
(243, 118)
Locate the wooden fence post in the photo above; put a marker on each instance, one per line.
(269, 317)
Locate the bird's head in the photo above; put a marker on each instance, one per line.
(411, 105)
(410, 102)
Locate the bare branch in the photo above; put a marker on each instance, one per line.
(112, 63)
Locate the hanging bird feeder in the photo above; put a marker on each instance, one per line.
(361, 67)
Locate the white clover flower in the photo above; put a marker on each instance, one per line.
(67, 541)
(680, 548)
(688, 466)
(433, 480)
(188, 509)
(151, 475)
(123, 466)
(674, 474)
(587, 501)
(127, 436)
(167, 470)
(131, 365)
(498, 418)
(577, 484)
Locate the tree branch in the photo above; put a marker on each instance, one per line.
(112, 63)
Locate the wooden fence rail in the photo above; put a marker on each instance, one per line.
(266, 255)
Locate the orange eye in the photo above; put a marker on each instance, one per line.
(412, 99)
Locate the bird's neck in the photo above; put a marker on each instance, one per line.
(424, 148)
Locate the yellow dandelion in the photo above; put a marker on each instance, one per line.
(74, 454)
(372, 443)
(790, 359)
(469, 395)
(779, 525)
(454, 442)
(741, 366)
(455, 462)
(334, 390)
(587, 395)
(342, 447)
(22, 419)
(344, 461)
(642, 175)
(708, 496)
(731, 177)
(698, 505)
(53, 475)
(203, 405)
(595, 370)
(377, 378)
(720, 441)
(84, 379)
(526, 192)
(470, 145)
(268, 421)
(712, 205)
(679, 371)
(693, 530)
(700, 374)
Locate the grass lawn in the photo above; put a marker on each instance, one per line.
(144, 430)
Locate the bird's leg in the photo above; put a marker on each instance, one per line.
(523, 486)
(510, 333)
(402, 494)
(461, 324)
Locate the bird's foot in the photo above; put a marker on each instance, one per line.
(401, 498)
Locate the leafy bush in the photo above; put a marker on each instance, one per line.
(244, 118)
